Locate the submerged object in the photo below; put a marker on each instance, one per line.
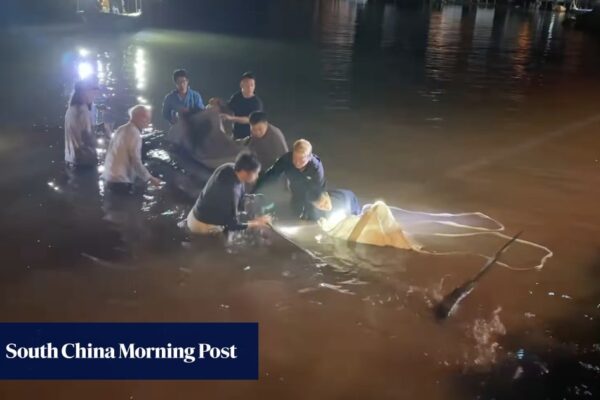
(376, 226)
(201, 136)
(449, 304)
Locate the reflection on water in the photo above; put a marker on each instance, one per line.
(393, 96)
(336, 30)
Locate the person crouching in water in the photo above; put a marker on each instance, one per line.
(123, 164)
(304, 172)
(330, 202)
(218, 206)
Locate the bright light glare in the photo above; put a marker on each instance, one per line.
(334, 219)
(83, 52)
(140, 69)
(85, 70)
(288, 230)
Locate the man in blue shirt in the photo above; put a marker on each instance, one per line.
(182, 100)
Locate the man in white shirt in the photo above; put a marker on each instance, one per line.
(123, 164)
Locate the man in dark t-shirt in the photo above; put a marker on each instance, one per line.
(304, 172)
(218, 206)
(243, 103)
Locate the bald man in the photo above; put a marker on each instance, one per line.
(123, 164)
(305, 173)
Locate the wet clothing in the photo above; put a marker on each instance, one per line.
(310, 179)
(243, 107)
(200, 227)
(80, 142)
(123, 162)
(221, 200)
(173, 104)
(342, 200)
(268, 148)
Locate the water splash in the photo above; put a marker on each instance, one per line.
(485, 333)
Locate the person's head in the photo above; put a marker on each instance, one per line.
(248, 84)
(320, 199)
(180, 77)
(84, 93)
(247, 167)
(258, 124)
(302, 152)
(140, 115)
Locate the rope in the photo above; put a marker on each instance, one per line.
(476, 231)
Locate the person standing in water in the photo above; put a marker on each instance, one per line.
(182, 100)
(221, 199)
(266, 140)
(123, 164)
(244, 103)
(305, 174)
(80, 141)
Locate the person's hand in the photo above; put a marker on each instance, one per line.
(154, 181)
(227, 117)
(261, 221)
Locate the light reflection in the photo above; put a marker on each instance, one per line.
(140, 68)
(83, 52)
(85, 70)
(100, 69)
(337, 29)
(159, 154)
(54, 186)
(288, 230)
(443, 43)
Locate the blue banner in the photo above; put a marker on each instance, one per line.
(128, 351)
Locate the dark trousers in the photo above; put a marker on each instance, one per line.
(119, 187)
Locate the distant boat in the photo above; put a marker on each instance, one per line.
(111, 15)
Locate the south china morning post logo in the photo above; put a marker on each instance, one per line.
(69, 351)
(129, 351)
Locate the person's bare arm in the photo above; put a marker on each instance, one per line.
(237, 120)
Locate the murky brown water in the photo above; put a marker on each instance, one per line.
(441, 109)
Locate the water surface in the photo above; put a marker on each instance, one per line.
(434, 108)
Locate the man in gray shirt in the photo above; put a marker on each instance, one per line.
(266, 140)
(123, 164)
